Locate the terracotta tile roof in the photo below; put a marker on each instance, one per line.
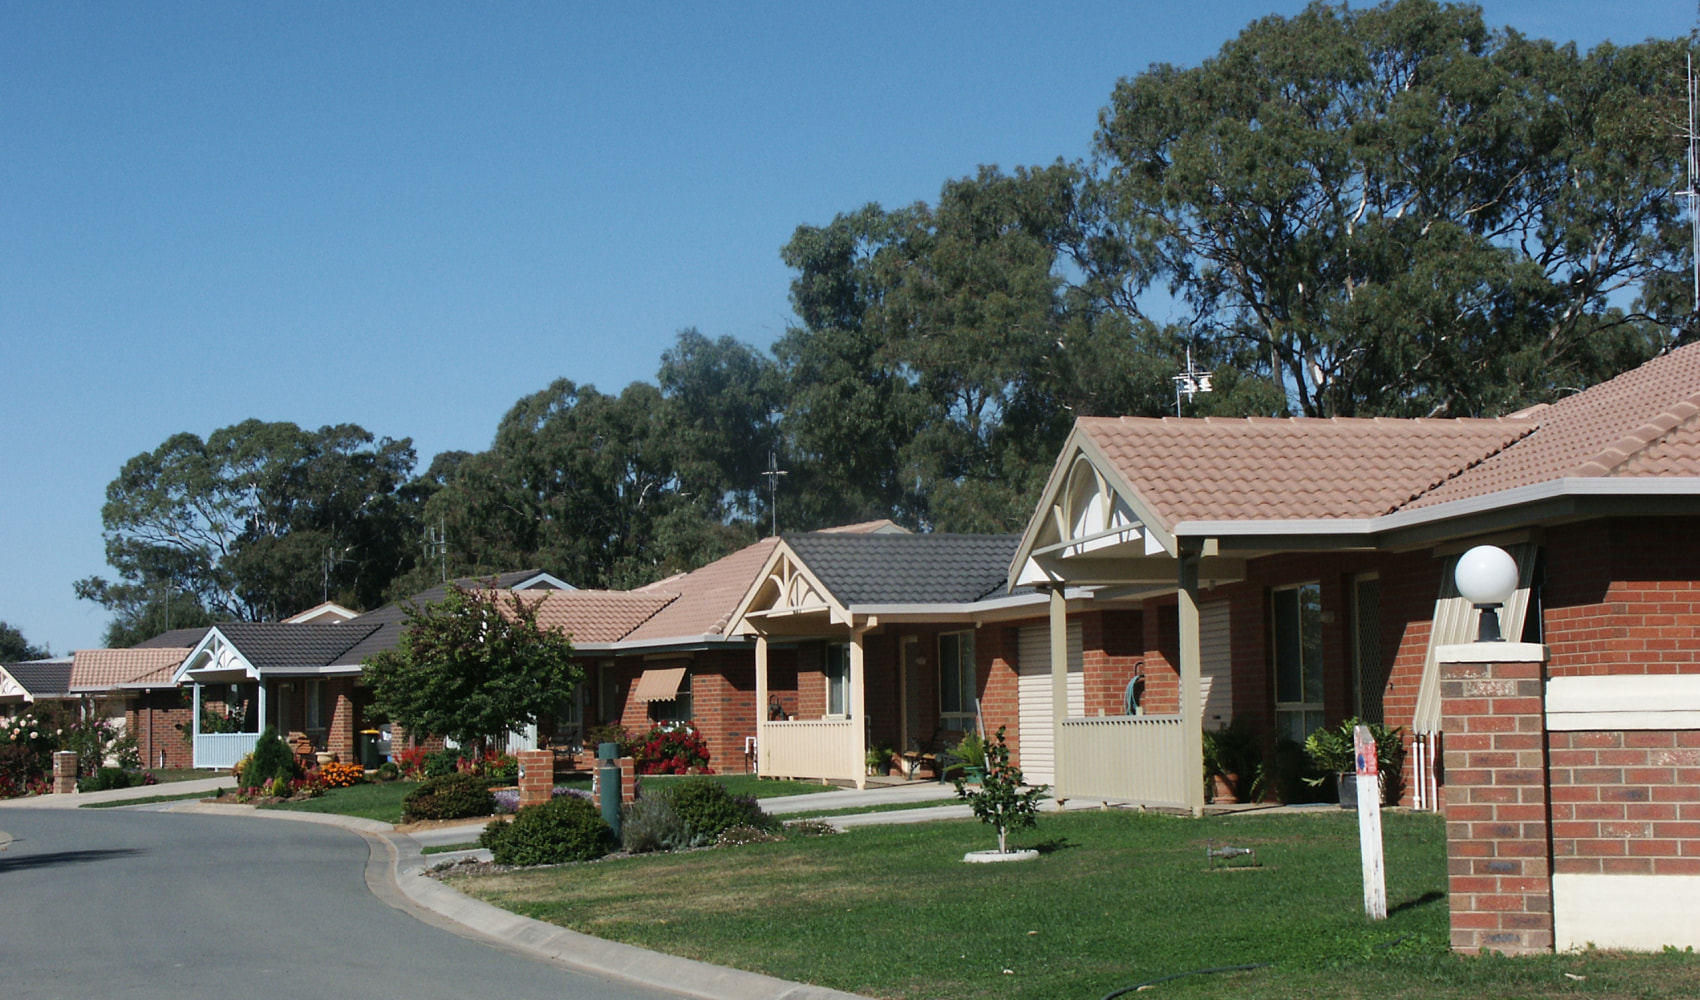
(1641, 423)
(1265, 468)
(595, 615)
(106, 669)
(706, 597)
(884, 525)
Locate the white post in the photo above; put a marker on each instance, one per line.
(1369, 823)
(195, 746)
(859, 705)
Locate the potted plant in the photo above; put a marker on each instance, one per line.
(1003, 800)
(878, 759)
(1232, 757)
(1332, 754)
(969, 756)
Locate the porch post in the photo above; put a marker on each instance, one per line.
(1192, 666)
(761, 703)
(1059, 686)
(195, 745)
(261, 707)
(859, 705)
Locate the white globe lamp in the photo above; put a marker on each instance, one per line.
(1487, 577)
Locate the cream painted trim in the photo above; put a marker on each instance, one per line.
(1491, 652)
(1633, 912)
(1635, 701)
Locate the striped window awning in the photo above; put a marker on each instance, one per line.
(660, 684)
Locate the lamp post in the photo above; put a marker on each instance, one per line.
(1487, 577)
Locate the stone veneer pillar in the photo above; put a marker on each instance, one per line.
(1499, 865)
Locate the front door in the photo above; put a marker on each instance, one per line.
(917, 728)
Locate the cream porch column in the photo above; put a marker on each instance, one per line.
(859, 705)
(761, 703)
(1059, 662)
(1192, 724)
(195, 745)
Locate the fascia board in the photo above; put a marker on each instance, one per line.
(684, 643)
(1369, 527)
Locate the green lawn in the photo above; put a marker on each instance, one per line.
(1115, 900)
(746, 784)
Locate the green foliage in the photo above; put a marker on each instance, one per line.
(441, 762)
(706, 809)
(1391, 210)
(270, 760)
(1331, 751)
(14, 648)
(255, 523)
(1234, 749)
(107, 778)
(1002, 799)
(473, 666)
(387, 771)
(451, 796)
(649, 823)
(566, 828)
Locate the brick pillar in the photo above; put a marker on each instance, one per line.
(628, 781)
(340, 739)
(64, 772)
(536, 776)
(1497, 820)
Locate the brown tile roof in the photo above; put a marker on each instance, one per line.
(706, 597)
(1265, 468)
(105, 669)
(594, 615)
(883, 526)
(1641, 423)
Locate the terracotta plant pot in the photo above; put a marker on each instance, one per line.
(1222, 789)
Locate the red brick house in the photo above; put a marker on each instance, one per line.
(1309, 562)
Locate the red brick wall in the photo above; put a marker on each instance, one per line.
(1498, 871)
(1623, 597)
(1625, 803)
(153, 717)
(339, 739)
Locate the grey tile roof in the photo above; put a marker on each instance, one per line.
(277, 644)
(907, 569)
(177, 638)
(42, 678)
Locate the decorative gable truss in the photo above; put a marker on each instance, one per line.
(785, 588)
(1093, 527)
(215, 661)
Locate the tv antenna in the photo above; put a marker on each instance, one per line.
(1693, 192)
(436, 545)
(1190, 382)
(773, 473)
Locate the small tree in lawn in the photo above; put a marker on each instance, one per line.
(471, 667)
(1001, 800)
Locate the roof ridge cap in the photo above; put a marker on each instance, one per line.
(1531, 426)
(1654, 429)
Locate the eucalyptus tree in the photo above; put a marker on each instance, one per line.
(1394, 210)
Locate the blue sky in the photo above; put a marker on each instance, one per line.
(407, 216)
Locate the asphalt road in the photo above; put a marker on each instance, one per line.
(121, 904)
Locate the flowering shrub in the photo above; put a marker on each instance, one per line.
(497, 764)
(334, 775)
(310, 787)
(410, 762)
(675, 748)
(28, 742)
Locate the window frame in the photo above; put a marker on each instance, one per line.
(1297, 717)
(964, 677)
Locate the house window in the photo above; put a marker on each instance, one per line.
(956, 680)
(677, 708)
(837, 669)
(610, 708)
(315, 705)
(1368, 667)
(1297, 630)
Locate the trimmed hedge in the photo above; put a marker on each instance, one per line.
(452, 796)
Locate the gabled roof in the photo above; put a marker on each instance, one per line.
(908, 568)
(1645, 422)
(705, 598)
(596, 615)
(96, 670)
(176, 638)
(322, 614)
(275, 645)
(1229, 469)
(35, 679)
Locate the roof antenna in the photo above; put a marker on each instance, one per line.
(1191, 382)
(773, 473)
(436, 544)
(1693, 192)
